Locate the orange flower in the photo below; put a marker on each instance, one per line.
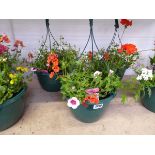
(55, 62)
(18, 43)
(128, 48)
(92, 99)
(126, 22)
(106, 56)
(52, 57)
(90, 55)
(56, 69)
(51, 75)
(6, 39)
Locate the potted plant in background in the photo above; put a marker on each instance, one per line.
(142, 86)
(146, 87)
(120, 59)
(49, 65)
(89, 88)
(12, 82)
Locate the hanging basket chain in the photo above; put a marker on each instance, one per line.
(116, 33)
(49, 35)
(91, 36)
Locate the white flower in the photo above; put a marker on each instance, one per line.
(146, 74)
(97, 73)
(111, 72)
(73, 103)
(139, 77)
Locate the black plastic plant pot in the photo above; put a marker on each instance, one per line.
(93, 112)
(12, 110)
(48, 84)
(149, 101)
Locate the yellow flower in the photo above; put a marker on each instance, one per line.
(12, 82)
(23, 69)
(12, 76)
(18, 68)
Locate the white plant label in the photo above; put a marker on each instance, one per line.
(98, 106)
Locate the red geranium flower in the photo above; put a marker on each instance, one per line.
(126, 22)
(128, 49)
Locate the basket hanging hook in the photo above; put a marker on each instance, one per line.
(91, 36)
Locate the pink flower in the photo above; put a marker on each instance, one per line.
(92, 91)
(3, 49)
(73, 103)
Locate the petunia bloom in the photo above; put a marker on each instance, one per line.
(73, 103)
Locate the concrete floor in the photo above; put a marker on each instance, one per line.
(47, 113)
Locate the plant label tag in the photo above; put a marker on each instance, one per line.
(98, 106)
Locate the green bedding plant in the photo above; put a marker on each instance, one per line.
(12, 69)
(142, 83)
(60, 59)
(88, 82)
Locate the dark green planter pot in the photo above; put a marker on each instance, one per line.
(149, 102)
(91, 114)
(120, 72)
(48, 84)
(11, 110)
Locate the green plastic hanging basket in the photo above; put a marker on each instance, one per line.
(93, 112)
(12, 110)
(48, 84)
(149, 101)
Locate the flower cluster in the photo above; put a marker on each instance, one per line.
(146, 74)
(12, 69)
(52, 63)
(128, 49)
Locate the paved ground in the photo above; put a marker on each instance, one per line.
(46, 113)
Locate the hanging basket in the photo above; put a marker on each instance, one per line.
(149, 102)
(12, 110)
(48, 84)
(93, 112)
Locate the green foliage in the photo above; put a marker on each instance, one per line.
(12, 74)
(67, 55)
(82, 78)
